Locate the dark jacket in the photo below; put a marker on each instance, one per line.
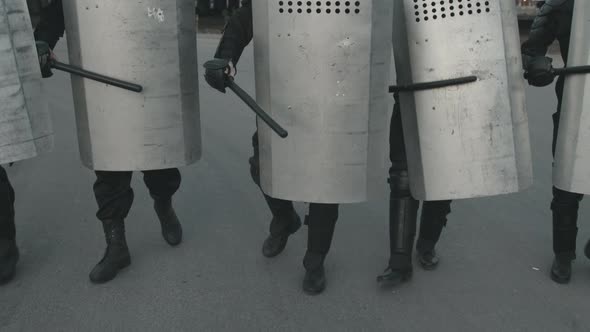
(51, 25)
(554, 22)
(237, 34)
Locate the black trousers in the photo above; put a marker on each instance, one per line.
(7, 227)
(434, 213)
(321, 220)
(114, 194)
(565, 204)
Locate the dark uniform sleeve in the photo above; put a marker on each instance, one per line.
(51, 27)
(552, 23)
(237, 34)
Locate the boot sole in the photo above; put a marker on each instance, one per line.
(561, 281)
(292, 230)
(121, 266)
(11, 276)
(427, 266)
(172, 243)
(313, 292)
(384, 281)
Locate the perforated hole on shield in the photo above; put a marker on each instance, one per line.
(429, 10)
(320, 7)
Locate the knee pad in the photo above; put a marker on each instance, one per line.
(399, 183)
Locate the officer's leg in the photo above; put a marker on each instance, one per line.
(403, 209)
(321, 222)
(285, 220)
(162, 185)
(434, 218)
(565, 216)
(114, 197)
(9, 253)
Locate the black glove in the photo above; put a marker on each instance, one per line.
(216, 73)
(539, 71)
(44, 53)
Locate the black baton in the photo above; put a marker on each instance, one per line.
(572, 70)
(96, 77)
(432, 85)
(245, 97)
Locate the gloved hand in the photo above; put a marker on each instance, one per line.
(217, 72)
(46, 56)
(539, 71)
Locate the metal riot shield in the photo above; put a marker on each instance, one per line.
(465, 140)
(571, 170)
(152, 43)
(321, 71)
(25, 124)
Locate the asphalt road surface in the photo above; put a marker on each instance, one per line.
(495, 252)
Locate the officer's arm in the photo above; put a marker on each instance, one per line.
(543, 31)
(237, 34)
(51, 27)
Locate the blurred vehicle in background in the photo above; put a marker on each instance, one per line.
(216, 7)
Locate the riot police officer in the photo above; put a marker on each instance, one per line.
(554, 22)
(403, 209)
(321, 220)
(112, 189)
(434, 124)
(9, 253)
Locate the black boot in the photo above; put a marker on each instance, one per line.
(9, 256)
(587, 249)
(561, 270)
(321, 223)
(432, 222)
(116, 256)
(171, 228)
(285, 222)
(314, 281)
(403, 210)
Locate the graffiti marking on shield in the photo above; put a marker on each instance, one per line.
(156, 13)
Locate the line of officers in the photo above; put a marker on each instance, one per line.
(327, 158)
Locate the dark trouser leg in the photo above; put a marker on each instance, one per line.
(114, 197)
(285, 220)
(278, 207)
(321, 223)
(7, 227)
(564, 208)
(9, 253)
(403, 208)
(162, 184)
(434, 218)
(113, 194)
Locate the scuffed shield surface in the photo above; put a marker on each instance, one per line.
(322, 71)
(25, 125)
(571, 170)
(149, 42)
(467, 140)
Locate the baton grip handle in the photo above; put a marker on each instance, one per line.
(257, 109)
(96, 77)
(432, 85)
(572, 70)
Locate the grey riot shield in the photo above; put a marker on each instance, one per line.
(152, 43)
(571, 170)
(321, 71)
(25, 125)
(466, 140)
